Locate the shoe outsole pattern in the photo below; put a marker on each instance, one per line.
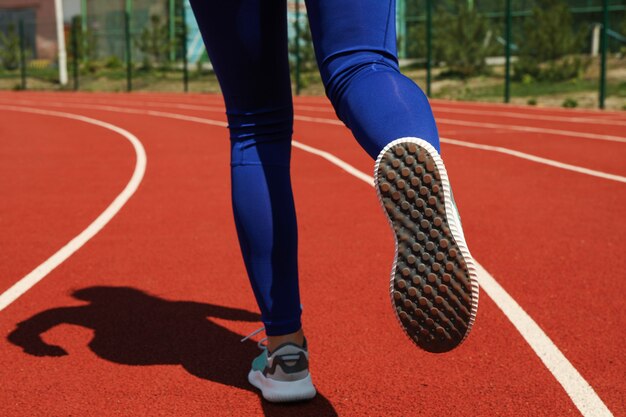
(433, 287)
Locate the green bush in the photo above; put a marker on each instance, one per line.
(113, 62)
(546, 52)
(532, 102)
(86, 44)
(154, 43)
(10, 48)
(308, 65)
(463, 40)
(569, 103)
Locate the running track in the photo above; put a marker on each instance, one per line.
(149, 299)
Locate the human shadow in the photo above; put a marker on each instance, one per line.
(134, 328)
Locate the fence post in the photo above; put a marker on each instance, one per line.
(129, 58)
(22, 56)
(429, 45)
(184, 45)
(83, 27)
(172, 28)
(401, 25)
(603, 51)
(507, 53)
(297, 27)
(75, 29)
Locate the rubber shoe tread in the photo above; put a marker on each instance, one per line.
(433, 286)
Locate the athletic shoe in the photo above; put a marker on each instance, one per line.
(434, 289)
(283, 375)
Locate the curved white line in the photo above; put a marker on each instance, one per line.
(577, 388)
(531, 129)
(27, 282)
(557, 132)
(526, 116)
(335, 122)
(538, 159)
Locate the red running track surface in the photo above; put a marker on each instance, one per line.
(151, 310)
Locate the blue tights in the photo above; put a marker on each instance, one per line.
(355, 46)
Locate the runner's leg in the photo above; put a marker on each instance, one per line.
(247, 43)
(355, 46)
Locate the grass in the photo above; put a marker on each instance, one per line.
(99, 76)
(533, 89)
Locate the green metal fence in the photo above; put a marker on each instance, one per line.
(548, 51)
(532, 46)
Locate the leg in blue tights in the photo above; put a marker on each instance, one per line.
(355, 48)
(247, 43)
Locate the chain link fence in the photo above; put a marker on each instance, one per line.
(554, 52)
(548, 52)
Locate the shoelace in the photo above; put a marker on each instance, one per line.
(259, 330)
(260, 342)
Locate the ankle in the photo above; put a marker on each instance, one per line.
(274, 342)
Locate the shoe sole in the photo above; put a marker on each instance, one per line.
(282, 391)
(433, 287)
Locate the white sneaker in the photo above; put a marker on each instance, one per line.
(283, 375)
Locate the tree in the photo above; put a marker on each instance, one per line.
(308, 65)
(10, 48)
(463, 40)
(154, 42)
(549, 42)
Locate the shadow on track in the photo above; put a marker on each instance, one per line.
(135, 328)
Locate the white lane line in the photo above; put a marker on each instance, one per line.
(27, 282)
(531, 109)
(576, 387)
(499, 149)
(586, 120)
(336, 161)
(557, 132)
(335, 122)
(549, 131)
(582, 394)
(538, 159)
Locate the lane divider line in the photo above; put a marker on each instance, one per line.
(526, 116)
(538, 159)
(26, 283)
(557, 132)
(334, 122)
(531, 129)
(577, 388)
(499, 149)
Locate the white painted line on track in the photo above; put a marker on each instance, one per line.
(549, 131)
(526, 116)
(335, 122)
(336, 161)
(557, 132)
(499, 149)
(35, 276)
(538, 159)
(495, 106)
(582, 394)
(577, 388)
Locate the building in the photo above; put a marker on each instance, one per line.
(38, 17)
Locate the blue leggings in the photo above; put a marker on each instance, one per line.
(355, 46)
